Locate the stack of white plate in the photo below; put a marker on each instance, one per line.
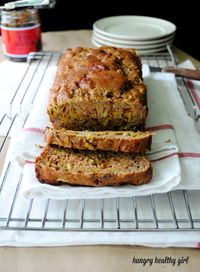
(146, 34)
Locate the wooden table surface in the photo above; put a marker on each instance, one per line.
(92, 258)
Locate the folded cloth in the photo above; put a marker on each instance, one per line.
(174, 158)
(150, 239)
(187, 137)
(164, 152)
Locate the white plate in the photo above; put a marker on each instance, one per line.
(139, 51)
(121, 44)
(134, 27)
(129, 41)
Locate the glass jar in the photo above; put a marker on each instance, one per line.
(21, 33)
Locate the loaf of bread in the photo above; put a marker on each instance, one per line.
(57, 165)
(118, 141)
(98, 109)
(98, 89)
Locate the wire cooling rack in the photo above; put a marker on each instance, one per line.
(173, 211)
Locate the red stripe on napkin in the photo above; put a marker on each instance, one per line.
(180, 155)
(194, 92)
(34, 129)
(160, 127)
(198, 245)
(189, 155)
(165, 157)
(29, 162)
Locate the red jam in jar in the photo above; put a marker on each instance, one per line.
(21, 33)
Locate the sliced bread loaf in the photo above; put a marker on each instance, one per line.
(123, 141)
(57, 165)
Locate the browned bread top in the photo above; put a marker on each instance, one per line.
(90, 72)
(57, 165)
(123, 141)
(98, 89)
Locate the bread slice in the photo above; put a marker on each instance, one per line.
(120, 141)
(57, 165)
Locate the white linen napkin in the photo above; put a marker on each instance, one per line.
(48, 238)
(164, 118)
(187, 137)
(166, 168)
(167, 153)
